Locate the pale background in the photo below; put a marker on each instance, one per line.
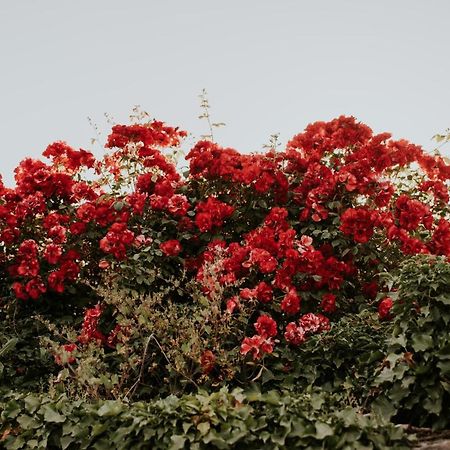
(269, 67)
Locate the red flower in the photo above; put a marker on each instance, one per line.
(53, 253)
(264, 292)
(117, 239)
(359, 223)
(90, 331)
(232, 304)
(211, 213)
(178, 205)
(207, 361)
(257, 346)
(20, 291)
(328, 303)
(35, 288)
(291, 302)
(265, 326)
(171, 247)
(370, 290)
(384, 308)
(411, 213)
(263, 259)
(294, 334)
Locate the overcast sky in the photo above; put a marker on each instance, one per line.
(268, 66)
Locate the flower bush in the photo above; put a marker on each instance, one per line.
(154, 282)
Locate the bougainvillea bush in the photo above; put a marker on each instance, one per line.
(124, 279)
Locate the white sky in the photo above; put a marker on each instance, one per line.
(269, 66)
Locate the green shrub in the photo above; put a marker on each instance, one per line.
(415, 377)
(342, 360)
(224, 420)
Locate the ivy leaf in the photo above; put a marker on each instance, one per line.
(323, 430)
(177, 442)
(422, 342)
(109, 409)
(50, 415)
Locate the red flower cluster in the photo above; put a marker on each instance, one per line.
(71, 160)
(211, 213)
(290, 222)
(116, 241)
(90, 331)
(359, 223)
(296, 333)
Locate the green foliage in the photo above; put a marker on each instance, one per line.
(415, 376)
(26, 364)
(159, 347)
(341, 361)
(222, 420)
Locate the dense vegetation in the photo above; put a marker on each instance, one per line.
(289, 299)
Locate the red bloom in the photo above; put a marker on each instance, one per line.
(19, 291)
(171, 247)
(257, 346)
(359, 223)
(211, 213)
(232, 304)
(71, 159)
(178, 205)
(263, 259)
(264, 292)
(411, 213)
(370, 290)
(53, 253)
(294, 334)
(116, 241)
(314, 323)
(35, 288)
(265, 326)
(90, 331)
(291, 302)
(328, 303)
(207, 361)
(384, 308)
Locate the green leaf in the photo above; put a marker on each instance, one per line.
(10, 345)
(444, 298)
(177, 442)
(445, 367)
(422, 342)
(323, 430)
(203, 427)
(50, 415)
(110, 408)
(32, 403)
(384, 408)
